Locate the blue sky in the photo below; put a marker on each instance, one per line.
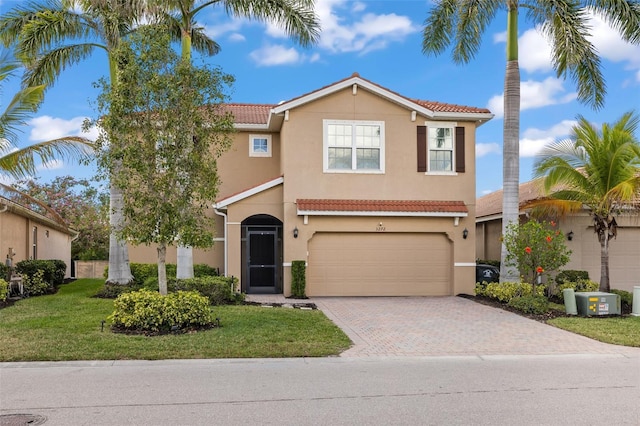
(381, 40)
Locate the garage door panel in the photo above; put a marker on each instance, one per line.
(361, 264)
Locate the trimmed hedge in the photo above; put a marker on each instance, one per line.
(219, 290)
(298, 279)
(530, 304)
(143, 271)
(571, 275)
(4, 290)
(53, 270)
(504, 292)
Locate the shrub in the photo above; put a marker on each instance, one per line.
(112, 290)
(151, 284)
(570, 275)
(626, 298)
(219, 290)
(53, 271)
(530, 304)
(143, 271)
(4, 290)
(504, 292)
(35, 285)
(298, 279)
(149, 311)
(579, 285)
(4, 271)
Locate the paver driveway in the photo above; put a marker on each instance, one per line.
(440, 326)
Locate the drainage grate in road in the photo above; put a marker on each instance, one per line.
(21, 419)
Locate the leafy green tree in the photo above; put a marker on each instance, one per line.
(83, 207)
(598, 169)
(167, 129)
(296, 17)
(461, 23)
(51, 35)
(536, 249)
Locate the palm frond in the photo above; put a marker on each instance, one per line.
(565, 22)
(21, 106)
(46, 69)
(439, 27)
(21, 163)
(296, 17)
(474, 17)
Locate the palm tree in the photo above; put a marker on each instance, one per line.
(50, 36)
(565, 22)
(296, 17)
(596, 169)
(19, 163)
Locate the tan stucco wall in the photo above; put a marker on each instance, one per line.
(16, 232)
(624, 251)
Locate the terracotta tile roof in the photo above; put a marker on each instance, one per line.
(491, 204)
(381, 206)
(442, 107)
(259, 113)
(249, 113)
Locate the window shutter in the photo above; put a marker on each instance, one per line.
(422, 148)
(460, 149)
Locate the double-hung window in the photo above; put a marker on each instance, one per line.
(440, 149)
(353, 146)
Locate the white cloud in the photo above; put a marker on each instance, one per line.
(51, 165)
(535, 94)
(369, 32)
(533, 139)
(237, 37)
(271, 55)
(534, 52)
(46, 128)
(483, 149)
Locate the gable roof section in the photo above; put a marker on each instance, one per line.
(224, 202)
(20, 210)
(269, 117)
(329, 207)
(430, 109)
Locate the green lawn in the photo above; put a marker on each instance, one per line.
(67, 326)
(617, 330)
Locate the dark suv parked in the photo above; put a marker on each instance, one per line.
(488, 273)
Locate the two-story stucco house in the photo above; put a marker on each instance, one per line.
(374, 190)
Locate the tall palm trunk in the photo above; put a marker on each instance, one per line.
(184, 267)
(604, 229)
(511, 137)
(119, 268)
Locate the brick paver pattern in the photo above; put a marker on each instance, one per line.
(444, 326)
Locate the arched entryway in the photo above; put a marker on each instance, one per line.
(261, 255)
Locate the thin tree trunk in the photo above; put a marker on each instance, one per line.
(511, 138)
(162, 269)
(119, 269)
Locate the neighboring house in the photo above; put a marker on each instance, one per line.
(624, 250)
(26, 234)
(374, 190)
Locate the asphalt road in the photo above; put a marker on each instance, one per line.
(467, 390)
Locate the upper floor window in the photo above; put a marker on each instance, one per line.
(353, 146)
(440, 149)
(260, 146)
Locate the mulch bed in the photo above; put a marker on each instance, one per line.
(626, 310)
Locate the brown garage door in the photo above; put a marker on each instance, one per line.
(376, 264)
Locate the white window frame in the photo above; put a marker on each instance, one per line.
(253, 153)
(439, 125)
(354, 123)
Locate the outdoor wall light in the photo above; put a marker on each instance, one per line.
(465, 233)
(295, 232)
(570, 236)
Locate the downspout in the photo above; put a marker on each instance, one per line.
(226, 233)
